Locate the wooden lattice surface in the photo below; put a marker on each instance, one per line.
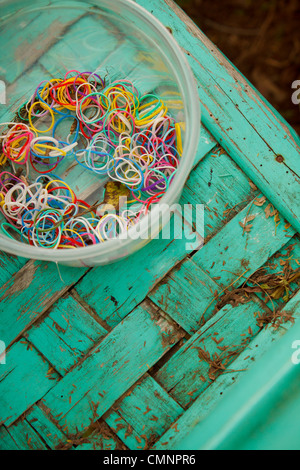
(132, 355)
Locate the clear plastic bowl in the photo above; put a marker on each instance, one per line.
(43, 39)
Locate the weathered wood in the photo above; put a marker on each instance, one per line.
(97, 337)
(29, 293)
(206, 402)
(42, 424)
(114, 290)
(243, 250)
(144, 414)
(118, 288)
(24, 367)
(221, 186)
(42, 28)
(187, 293)
(285, 264)
(66, 334)
(189, 372)
(19, 92)
(206, 144)
(237, 117)
(9, 265)
(102, 438)
(84, 37)
(6, 441)
(113, 366)
(25, 436)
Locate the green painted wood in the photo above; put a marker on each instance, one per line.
(244, 253)
(235, 115)
(41, 423)
(84, 36)
(260, 403)
(113, 366)
(24, 367)
(126, 432)
(206, 144)
(144, 339)
(119, 57)
(188, 373)
(201, 409)
(290, 254)
(114, 290)
(9, 265)
(101, 439)
(41, 29)
(66, 334)
(185, 294)
(26, 437)
(144, 414)
(6, 441)
(29, 293)
(219, 184)
(84, 183)
(20, 91)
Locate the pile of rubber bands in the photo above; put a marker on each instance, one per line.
(115, 132)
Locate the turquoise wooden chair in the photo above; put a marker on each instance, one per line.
(170, 349)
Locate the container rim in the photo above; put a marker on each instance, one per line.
(187, 85)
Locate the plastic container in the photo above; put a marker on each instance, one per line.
(41, 39)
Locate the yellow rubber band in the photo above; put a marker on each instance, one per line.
(46, 107)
